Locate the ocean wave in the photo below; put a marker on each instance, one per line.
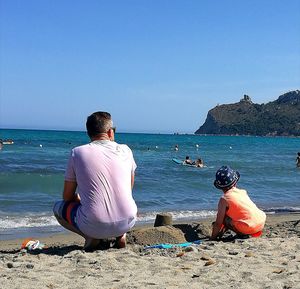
(282, 210)
(31, 221)
(176, 215)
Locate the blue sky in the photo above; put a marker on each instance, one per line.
(157, 66)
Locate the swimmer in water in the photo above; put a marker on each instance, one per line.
(199, 163)
(188, 161)
(298, 160)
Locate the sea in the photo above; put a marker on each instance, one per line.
(32, 175)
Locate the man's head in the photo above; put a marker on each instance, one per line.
(226, 178)
(99, 122)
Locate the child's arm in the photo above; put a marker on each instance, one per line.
(218, 225)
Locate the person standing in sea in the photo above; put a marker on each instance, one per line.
(97, 197)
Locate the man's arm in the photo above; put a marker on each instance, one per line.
(69, 192)
(222, 207)
(132, 180)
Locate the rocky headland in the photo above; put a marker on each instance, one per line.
(276, 118)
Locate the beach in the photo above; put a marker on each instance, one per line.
(270, 261)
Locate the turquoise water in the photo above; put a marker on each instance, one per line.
(32, 174)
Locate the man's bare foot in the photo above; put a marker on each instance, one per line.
(121, 241)
(91, 244)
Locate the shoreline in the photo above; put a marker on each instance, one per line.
(61, 238)
(53, 229)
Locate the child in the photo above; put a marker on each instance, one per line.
(235, 209)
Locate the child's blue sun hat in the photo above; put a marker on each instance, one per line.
(226, 177)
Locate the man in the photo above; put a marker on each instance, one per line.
(97, 196)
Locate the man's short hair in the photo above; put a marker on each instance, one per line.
(98, 122)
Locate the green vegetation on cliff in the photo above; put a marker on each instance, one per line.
(277, 118)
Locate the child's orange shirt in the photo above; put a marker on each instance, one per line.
(246, 217)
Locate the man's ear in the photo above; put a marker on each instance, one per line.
(111, 135)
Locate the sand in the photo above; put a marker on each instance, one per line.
(271, 261)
